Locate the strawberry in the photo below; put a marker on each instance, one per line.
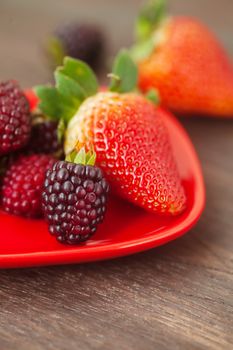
(182, 59)
(32, 99)
(126, 130)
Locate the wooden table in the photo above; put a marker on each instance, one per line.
(179, 296)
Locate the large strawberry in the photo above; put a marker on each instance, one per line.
(126, 130)
(182, 59)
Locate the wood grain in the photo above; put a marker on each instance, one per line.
(179, 296)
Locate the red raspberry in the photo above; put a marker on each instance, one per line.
(74, 201)
(15, 123)
(23, 184)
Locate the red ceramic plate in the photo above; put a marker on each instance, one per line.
(127, 229)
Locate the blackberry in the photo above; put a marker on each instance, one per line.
(74, 201)
(22, 185)
(81, 41)
(4, 163)
(15, 123)
(44, 138)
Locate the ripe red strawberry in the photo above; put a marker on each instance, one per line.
(134, 152)
(182, 59)
(23, 184)
(15, 123)
(32, 99)
(126, 130)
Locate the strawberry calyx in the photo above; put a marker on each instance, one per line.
(150, 17)
(149, 28)
(80, 156)
(153, 96)
(75, 82)
(55, 50)
(124, 75)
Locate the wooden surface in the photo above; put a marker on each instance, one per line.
(179, 296)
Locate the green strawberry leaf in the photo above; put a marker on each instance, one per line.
(82, 74)
(125, 74)
(70, 156)
(49, 101)
(68, 108)
(68, 86)
(90, 157)
(81, 156)
(55, 105)
(153, 96)
(150, 16)
(142, 49)
(75, 81)
(61, 130)
(143, 29)
(55, 50)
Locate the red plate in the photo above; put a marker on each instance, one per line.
(126, 229)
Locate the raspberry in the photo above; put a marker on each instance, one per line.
(23, 185)
(15, 124)
(82, 41)
(74, 201)
(44, 138)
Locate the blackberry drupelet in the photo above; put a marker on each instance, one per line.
(15, 122)
(44, 138)
(74, 201)
(82, 41)
(22, 185)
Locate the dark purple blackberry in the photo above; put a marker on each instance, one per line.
(81, 41)
(4, 163)
(74, 201)
(15, 121)
(44, 138)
